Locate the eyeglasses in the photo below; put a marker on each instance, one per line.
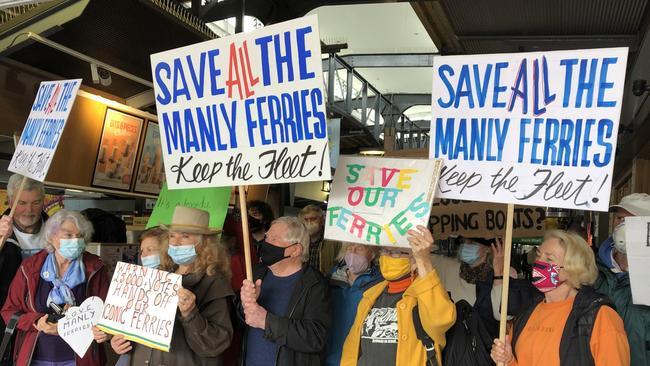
(395, 253)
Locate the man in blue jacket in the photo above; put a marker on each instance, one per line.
(614, 281)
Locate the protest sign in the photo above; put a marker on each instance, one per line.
(214, 200)
(535, 128)
(76, 328)
(43, 129)
(377, 200)
(484, 220)
(637, 245)
(245, 109)
(141, 305)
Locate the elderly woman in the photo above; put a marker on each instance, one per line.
(410, 302)
(151, 242)
(62, 275)
(202, 330)
(571, 324)
(356, 272)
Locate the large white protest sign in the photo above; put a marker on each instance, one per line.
(377, 200)
(534, 128)
(43, 129)
(245, 109)
(141, 305)
(76, 328)
(637, 245)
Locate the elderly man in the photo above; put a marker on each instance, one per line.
(322, 253)
(287, 308)
(614, 281)
(22, 235)
(24, 230)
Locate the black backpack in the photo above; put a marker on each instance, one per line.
(468, 341)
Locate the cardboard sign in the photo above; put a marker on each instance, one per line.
(535, 128)
(214, 200)
(377, 200)
(43, 129)
(484, 220)
(637, 245)
(76, 328)
(141, 305)
(245, 109)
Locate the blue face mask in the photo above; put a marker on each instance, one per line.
(151, 261)
(469, 253)
(182, 254)
(71, 248)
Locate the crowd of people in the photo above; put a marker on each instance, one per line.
(313, 302)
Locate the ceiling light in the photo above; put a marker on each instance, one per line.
(371, 152)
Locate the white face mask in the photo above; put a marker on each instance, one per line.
(619, 238)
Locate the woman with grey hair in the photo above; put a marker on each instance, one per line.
(58, 277)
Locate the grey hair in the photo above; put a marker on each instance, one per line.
(296, 233)
(30, 185)
(53, 224)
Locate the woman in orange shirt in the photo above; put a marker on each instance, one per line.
(572, 325)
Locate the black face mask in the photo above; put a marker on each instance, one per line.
(254, 225)
(270, 254)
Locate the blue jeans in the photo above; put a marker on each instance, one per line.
(51, 363)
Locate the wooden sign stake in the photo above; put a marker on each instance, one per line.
(506, 275)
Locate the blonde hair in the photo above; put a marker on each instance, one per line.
(211, 257)
(579, 261)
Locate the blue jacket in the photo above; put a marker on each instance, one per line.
(344, 300)
(636, 318)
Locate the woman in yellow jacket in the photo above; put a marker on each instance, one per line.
(383, 332)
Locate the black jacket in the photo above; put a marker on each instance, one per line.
(301, 333)
(575, 349)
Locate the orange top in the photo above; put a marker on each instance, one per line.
(539, 342)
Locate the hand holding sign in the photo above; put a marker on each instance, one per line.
(76, 328)
(186, 302)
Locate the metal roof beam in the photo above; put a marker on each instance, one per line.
(386, 60)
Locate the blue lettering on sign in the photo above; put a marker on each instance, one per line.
(520, 88)
(604, 84)
(565, 143)
(452, 140)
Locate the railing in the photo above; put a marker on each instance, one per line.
(350, 93)
(8, 14)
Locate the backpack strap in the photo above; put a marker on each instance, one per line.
(9, 331)
(575, 348)
(427, 342)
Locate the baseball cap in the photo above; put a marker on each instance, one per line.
(638, 204)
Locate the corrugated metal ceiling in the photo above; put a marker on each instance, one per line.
(516, 25)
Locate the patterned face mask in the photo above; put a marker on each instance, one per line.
(546, 276)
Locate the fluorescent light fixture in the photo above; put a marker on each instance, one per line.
(371, 152)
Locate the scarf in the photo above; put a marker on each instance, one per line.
(61, 292)
(473, 275)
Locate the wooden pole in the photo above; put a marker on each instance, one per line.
(245, 233)
(506, 275)
(15, 197)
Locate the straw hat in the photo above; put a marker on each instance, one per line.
(190, 220)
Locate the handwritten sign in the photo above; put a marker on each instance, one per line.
(43, 128)
(534, 128)
(484, 220)
(76, 328)
(141, 305)
(214, 200)
(377, 200)
(637, 245)
(245, 109)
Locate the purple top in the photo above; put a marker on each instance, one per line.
(48, 347)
